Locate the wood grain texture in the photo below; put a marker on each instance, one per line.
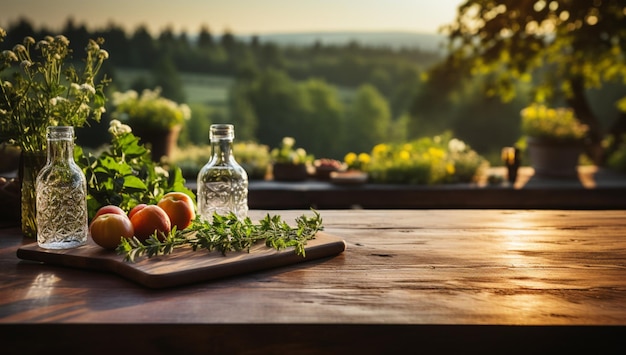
(446, 273)
(184, 265)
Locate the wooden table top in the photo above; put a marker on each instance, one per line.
(406, 276)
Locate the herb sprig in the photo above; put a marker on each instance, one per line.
(228, 233)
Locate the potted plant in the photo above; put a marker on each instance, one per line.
(41, 87)
(155, 119)
(290, 163)
(554, 139)
(354, 169)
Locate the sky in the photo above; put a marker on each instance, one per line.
(238, 16)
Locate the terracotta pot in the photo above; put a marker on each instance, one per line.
(161, 142)
(289, 172)
(555, 159)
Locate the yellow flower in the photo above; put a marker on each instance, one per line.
(436, 152)
(364, 158)
(350, 158)
(404, 155)
(450, 168)
(380, 149)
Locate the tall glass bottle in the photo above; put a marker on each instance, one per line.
(62, 220)
(222, 183)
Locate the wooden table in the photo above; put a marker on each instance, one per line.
(504, 281)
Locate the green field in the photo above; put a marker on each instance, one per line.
(205, 89)
(199, 88)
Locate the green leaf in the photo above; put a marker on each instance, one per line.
(133, 184)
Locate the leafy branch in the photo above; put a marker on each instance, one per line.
(228, 233)
(124, 174)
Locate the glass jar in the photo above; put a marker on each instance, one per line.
(62, 220)
(222, 183)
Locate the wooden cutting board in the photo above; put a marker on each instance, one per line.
(184, 265)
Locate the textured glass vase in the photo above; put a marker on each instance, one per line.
(62, 220)
(222, 182)
(31, 163)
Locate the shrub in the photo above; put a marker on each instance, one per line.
(436, 160)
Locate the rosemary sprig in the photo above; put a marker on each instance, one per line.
(227, 233)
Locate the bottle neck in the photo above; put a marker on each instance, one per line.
(61, 150)
(60, 144)
(222, 150)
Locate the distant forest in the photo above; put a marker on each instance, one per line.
(296, 91)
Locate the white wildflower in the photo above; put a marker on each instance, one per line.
(456, 145)
(42, 44)
(26, 64)
(10, 55)
(18, 48)
(124, 128)
(88, 88)
(28, 40)
(186, 110)
(84, 108)
(118, 98)
(117, 128)
(63, 40)
(160, 171)
(103, 54)
(289, 141)
(55, 100)
(92, 46)
(115, 123)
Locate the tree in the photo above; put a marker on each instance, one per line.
(143, 48)
(323, 121)
(278, 103)
(368, 122)
(241, 112)
(567, 46)
(205, 38)
(166, 77)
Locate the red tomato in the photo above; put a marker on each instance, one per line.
(107, 230)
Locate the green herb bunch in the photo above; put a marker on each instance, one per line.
(228, 233)
(124, 174)
(42, 87)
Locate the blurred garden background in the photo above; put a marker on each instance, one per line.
(336, 98)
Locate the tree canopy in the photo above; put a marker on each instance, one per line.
(565, 47)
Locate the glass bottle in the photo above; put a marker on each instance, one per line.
(62, 220)
(222, 183)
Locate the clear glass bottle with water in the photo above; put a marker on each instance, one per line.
(62, 220)
(222, 183)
